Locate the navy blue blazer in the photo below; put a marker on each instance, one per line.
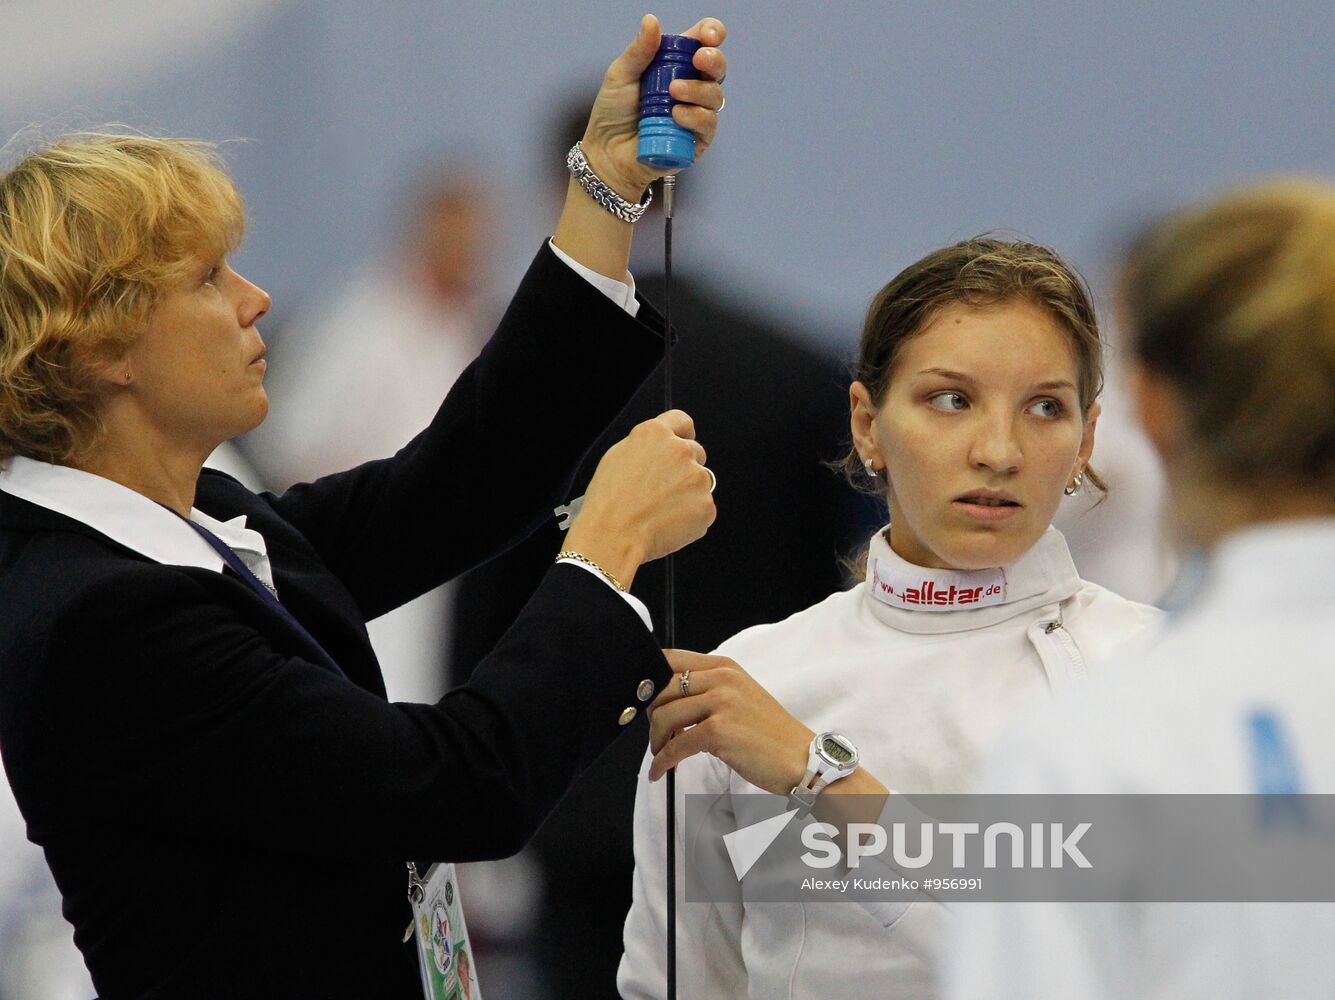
(226, 814)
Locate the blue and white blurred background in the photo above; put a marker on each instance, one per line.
(857, 137)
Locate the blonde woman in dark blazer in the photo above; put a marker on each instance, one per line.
(191, 715)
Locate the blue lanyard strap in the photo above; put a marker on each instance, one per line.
(238, 567)
(252, 581)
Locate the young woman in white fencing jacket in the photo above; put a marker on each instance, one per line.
(973, 412)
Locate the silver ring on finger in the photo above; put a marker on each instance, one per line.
(713, 479)
(684, 682)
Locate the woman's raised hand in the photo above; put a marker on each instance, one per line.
(611, 138)
(649, 496)
(587, 232)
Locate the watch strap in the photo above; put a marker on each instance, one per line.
(812, 781)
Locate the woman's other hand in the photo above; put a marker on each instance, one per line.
(649, 496)
(730, 716)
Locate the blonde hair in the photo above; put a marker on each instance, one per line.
(982, 271)
(94, 228)
(1234, 303)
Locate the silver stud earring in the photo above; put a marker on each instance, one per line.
(1074, 488)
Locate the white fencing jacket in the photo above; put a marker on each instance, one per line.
(921, 668)
(1259, 637)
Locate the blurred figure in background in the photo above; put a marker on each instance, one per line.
(1230, 308)
(774, 411)
(1118, 540)
(390, 343)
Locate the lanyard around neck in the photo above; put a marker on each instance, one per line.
(267, 593)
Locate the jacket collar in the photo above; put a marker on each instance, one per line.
(1279, 566)
(921, 600)
(128, 518)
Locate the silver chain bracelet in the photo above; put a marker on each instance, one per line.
(626, 211)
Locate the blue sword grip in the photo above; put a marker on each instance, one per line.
(663, 143)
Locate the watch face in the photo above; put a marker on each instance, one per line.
(837, 750)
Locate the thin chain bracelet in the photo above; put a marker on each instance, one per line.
(579, 557)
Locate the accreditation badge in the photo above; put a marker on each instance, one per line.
(442, 938)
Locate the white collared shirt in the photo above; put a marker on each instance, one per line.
(132, 519)
(622, 294)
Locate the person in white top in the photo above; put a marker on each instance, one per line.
(973, 411)
(391, 341)
(1232, 309)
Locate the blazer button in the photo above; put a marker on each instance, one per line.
(645, 691)
(627, 716)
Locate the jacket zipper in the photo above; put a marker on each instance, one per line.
(1063, 637)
